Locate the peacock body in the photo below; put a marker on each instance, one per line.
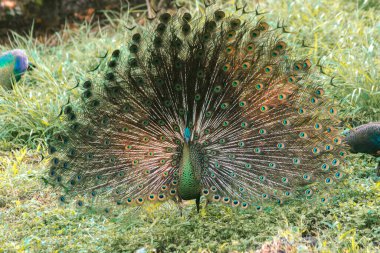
(212, 106)
(13, 65)
(365, 139)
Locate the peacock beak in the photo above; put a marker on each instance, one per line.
(31, 66)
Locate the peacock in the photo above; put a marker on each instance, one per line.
(13, 64)
(365, 139)
(210, 105)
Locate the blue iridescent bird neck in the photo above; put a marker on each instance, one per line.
(19, 59)
(187, 134)
(21, 62)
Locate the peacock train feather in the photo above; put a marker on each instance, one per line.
(210, 105)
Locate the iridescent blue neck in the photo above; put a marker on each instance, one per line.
(21, 65)
(187, 135)
(16, 58)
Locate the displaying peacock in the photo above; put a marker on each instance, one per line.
(365, 139)
(209, 105)
(13, 64)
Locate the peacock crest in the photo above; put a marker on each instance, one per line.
(211, 105)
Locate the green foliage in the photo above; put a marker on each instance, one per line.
(31, 219)
(343, 36)
(344, 32)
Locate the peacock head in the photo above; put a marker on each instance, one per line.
(346, 132)
(187, 134)
(21, 63)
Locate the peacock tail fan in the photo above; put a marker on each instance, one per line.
(207, 105)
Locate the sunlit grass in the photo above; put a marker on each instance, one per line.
(343, 35)
(32, 219)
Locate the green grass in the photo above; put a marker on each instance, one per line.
(344, 35)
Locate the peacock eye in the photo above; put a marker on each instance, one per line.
(87, 84)
(116, 53)
(186, 29)
(255, 33)
(136, 38)
(235, 23)
(165, 17)
(133, 48)
(219, 15)
(186, 17)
